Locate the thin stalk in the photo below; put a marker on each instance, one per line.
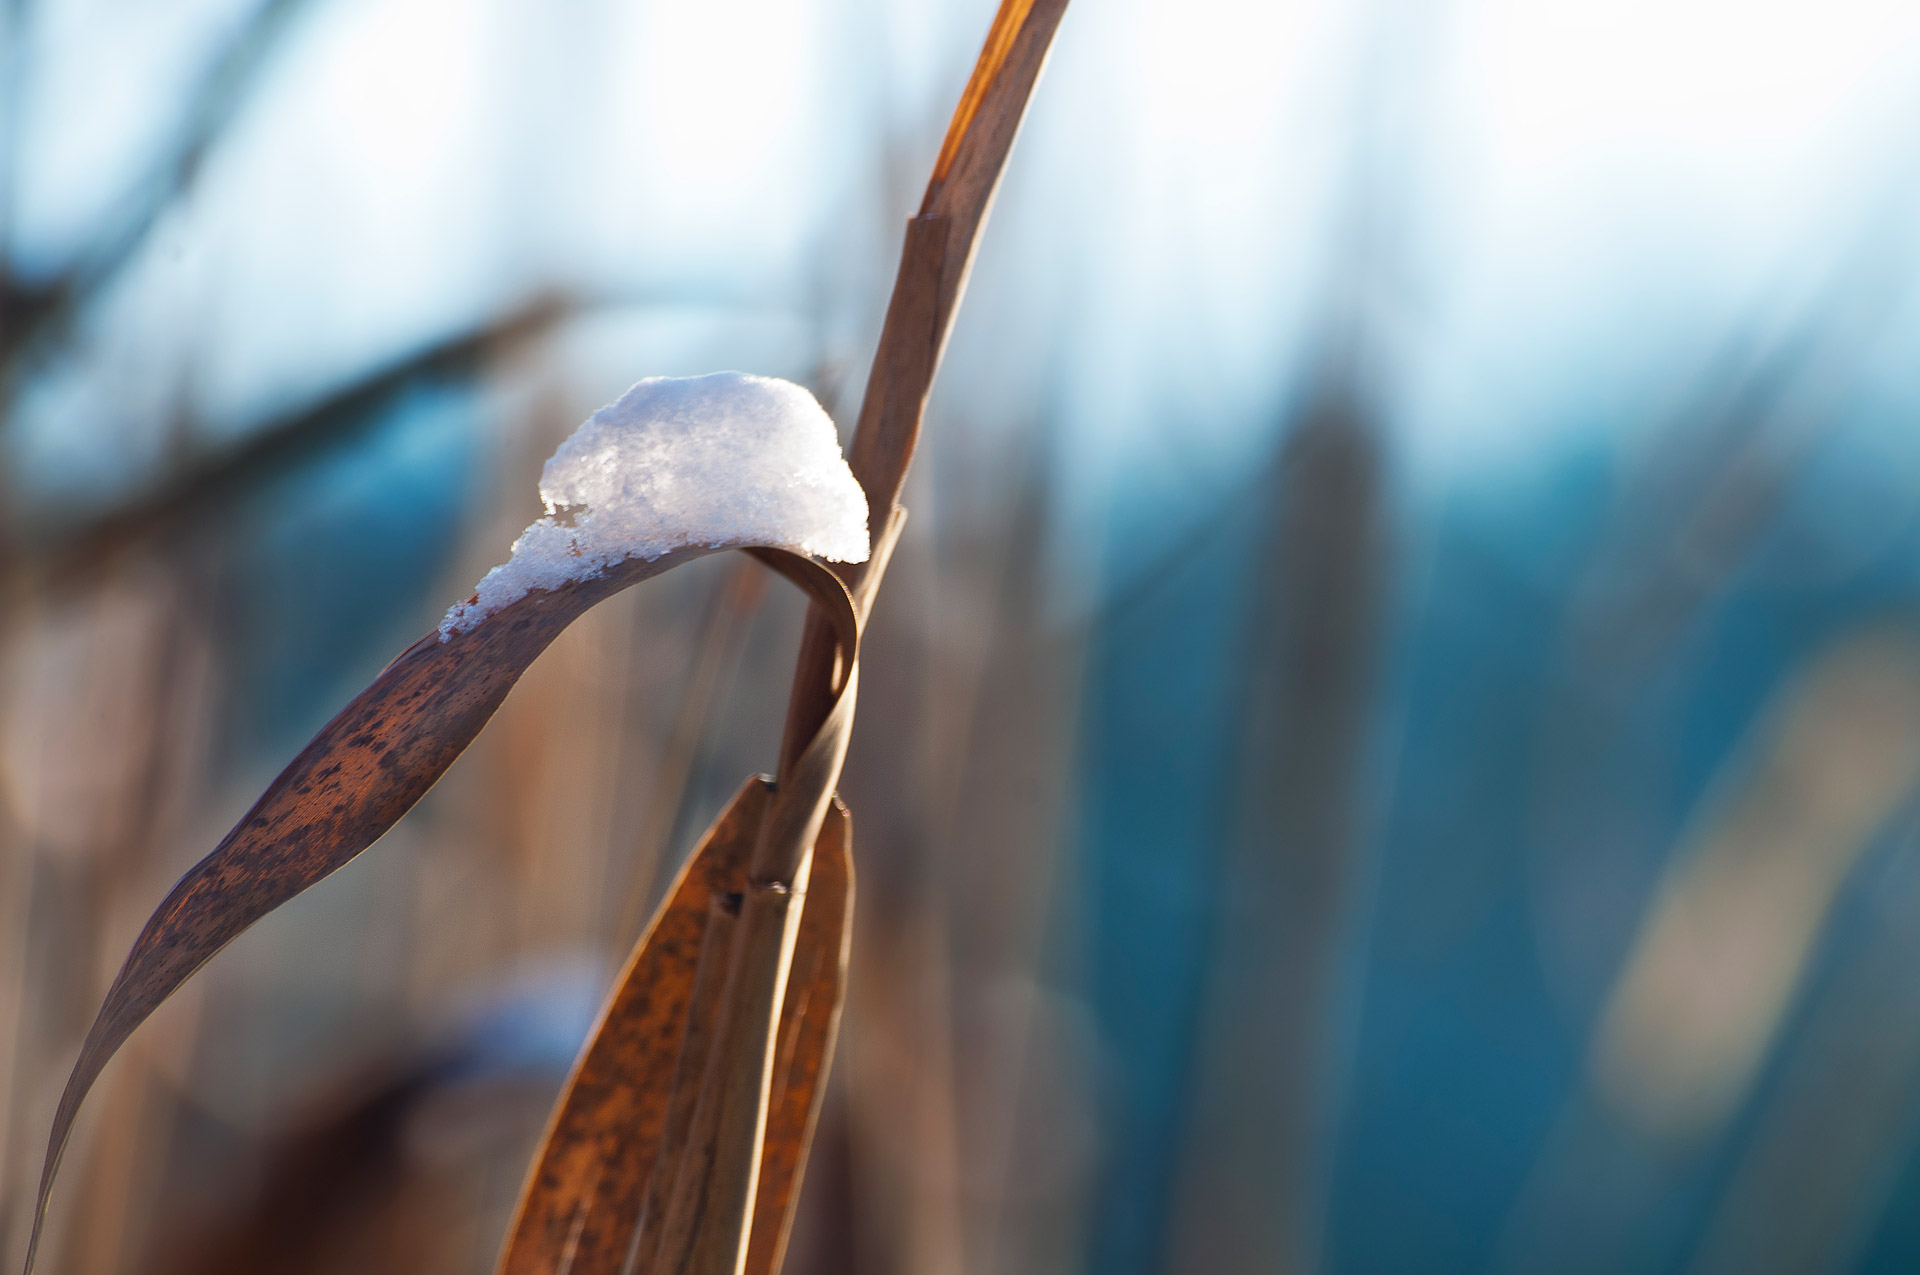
(934, 263)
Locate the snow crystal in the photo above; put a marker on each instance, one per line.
(680, 462)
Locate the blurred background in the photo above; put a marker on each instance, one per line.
(1392, 742)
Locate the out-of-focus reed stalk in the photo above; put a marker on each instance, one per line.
(1254, 1167)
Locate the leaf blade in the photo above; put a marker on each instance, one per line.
(573, 1211)
(364, 769)
(624, 1145)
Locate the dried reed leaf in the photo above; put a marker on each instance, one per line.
(625, 1137)
(583, 1200)
(366, 768)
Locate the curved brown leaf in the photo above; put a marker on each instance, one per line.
(366, 768)
(619, 1182)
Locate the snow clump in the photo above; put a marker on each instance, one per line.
(713, 461)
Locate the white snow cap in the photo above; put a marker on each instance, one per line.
(717, 461)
